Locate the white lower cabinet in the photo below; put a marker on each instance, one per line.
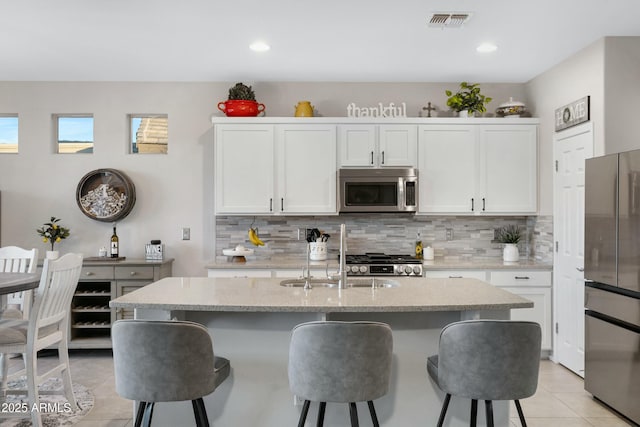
(456, 274)
(534, 285)
(239, 272)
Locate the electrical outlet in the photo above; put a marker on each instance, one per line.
(186, 233)
(449, 234)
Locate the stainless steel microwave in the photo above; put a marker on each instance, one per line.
(378, 190)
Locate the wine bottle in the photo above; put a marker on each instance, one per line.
(114, 244)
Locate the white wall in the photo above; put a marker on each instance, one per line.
(173, 190)
(580, 75)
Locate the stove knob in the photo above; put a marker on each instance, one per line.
(347, 268)
(363, 269)
(399, 270)
(417, 270)
(408, 269)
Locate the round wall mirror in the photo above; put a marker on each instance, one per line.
(106, 195)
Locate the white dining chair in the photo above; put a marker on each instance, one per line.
(18, 260)
(47, 327)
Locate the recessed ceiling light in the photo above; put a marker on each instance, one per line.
(259, 46)
(487, 47)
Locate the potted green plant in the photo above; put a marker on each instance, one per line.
(468, 99)
(510, 235)
(241, 103)
(53, 233)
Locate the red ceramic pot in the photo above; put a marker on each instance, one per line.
(240, 108)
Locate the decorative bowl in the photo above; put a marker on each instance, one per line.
(511, 109)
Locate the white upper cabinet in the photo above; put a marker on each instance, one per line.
(378, 145)
(477, 169)
(447, 162)
(275, 169)
(244, 176)
(508, 158)
(306, 165)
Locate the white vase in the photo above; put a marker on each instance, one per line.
(52, 254)
(464, 114)
(510, 252)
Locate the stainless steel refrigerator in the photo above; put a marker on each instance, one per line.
(612, 275)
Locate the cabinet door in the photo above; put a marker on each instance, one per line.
(244, 169)
(124, 287)
(508, 159)
(447, 160)
(357, 145)
(539, 313)
(306, 164)
(398, 145)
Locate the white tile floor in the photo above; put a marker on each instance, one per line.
(559, 402)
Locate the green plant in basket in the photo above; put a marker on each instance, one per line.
(468, 98)
(52, 232)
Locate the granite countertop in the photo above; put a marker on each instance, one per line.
(439, 263)
(266, 295)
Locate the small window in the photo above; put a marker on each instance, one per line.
(8, 133)
(74, 133)
(149, 133)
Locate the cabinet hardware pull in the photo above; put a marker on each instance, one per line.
(89, 273)
(372, 157)
(455, 277)
(483, 204)
(580, 269)
(270, 205)
(383, 157)
(522, 277)
(133, 273)
(282, 204)
(472, 208)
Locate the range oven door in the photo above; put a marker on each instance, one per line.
(612, 350)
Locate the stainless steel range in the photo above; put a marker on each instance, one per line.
(380, 264)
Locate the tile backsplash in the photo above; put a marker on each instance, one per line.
(471, 237)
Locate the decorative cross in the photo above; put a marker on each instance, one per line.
(429, 108)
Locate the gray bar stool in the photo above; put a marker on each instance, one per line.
(165, 361)
(487, 360)
(343, 362)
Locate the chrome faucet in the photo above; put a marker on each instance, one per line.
(342, 281)
(307, 282)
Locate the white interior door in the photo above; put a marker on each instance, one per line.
(571, 148)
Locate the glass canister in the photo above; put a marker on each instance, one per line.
(304, 109)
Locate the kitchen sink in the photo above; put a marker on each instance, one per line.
(360, 282)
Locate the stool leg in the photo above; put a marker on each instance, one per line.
(148, 414)
(443, 411)
(372, 411)
(140, 414)
(323, 406)
(520, 413)
(488, 406)
(474, 413)
(353, 412)
(303, 414)
(200, 413)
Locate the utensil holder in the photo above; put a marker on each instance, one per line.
(318, 251)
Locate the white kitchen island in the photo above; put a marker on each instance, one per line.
(251, 319)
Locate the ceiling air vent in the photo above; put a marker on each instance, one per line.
(448, 20)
